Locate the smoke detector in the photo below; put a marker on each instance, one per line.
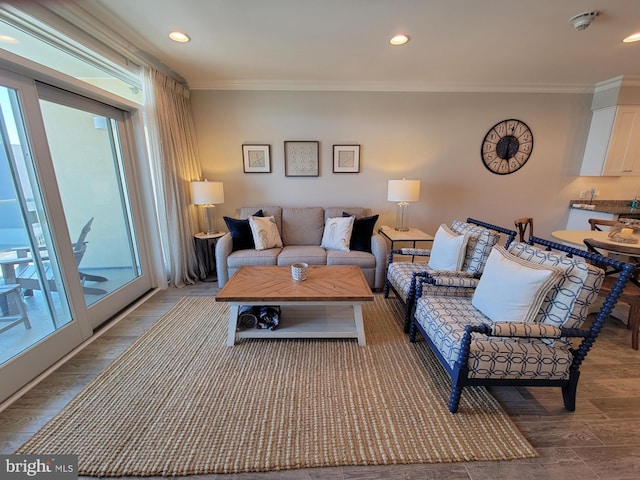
(583, 20)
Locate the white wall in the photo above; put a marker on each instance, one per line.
(433, 137)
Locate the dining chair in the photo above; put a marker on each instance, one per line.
(596, 223)
(522, 224)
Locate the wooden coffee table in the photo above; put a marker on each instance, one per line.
(328, 304)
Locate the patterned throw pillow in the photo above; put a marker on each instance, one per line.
(448, 250)
(481, 241)
(265, 232)
(337, 233)
(511, 288)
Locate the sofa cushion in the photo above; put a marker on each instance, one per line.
(449, 250)
(511, 288)
(353, 257)
(362, 232)
(311, 254)
(302, 226)
(240, 230)
(337, 233)
(253, 257)
(331, 212)
(444, 319)
(275, 212)
(400, 274)
(265, 232)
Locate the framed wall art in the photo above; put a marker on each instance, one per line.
(301, 159)
(256, 158)
(346, 158)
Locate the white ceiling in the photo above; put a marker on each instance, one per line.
(456, 45)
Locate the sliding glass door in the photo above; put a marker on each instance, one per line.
(88, 157)
(37, 319)
(70, 236)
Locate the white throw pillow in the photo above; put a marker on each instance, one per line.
(448, 250)
(512, 288)
(337, 233)
(265, 232)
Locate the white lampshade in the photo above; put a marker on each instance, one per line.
(403, 190)
(207, 193)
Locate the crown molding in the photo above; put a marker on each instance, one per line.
(271, 85)
(617, 82)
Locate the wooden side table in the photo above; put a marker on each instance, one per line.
(205, 250)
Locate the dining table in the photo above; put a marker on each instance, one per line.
(630, 252)
(626, 251)
(577, 237)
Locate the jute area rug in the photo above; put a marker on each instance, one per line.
(180, 402)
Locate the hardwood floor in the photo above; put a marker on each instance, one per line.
(600, 440)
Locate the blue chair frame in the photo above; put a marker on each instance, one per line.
(459, 373)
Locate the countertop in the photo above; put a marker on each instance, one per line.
(615, 207)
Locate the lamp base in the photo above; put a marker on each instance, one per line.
(211, 226)
(401, 217)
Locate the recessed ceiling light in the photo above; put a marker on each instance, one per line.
(632, 38)
(179, 37)
(399, 39)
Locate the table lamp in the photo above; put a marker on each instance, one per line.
(208, 194)
(403, 191)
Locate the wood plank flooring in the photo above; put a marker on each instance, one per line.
(600, 440)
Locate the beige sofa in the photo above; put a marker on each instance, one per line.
(301, 230)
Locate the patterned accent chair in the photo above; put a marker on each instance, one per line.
(475, 350)
(402, 276)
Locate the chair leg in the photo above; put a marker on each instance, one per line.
(412, 331)
(456, 388)
(454, 399)
(634, 324)
(92, 278)
(569, 392)
(407, 315)
(23, 311)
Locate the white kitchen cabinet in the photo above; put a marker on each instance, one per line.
(579, 219)
(613, 145)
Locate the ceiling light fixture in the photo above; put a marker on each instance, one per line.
(399, 39)
(7, 39)
(179, 37)
(632, 38)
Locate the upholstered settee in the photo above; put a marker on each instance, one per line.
(301, 232)
(402, 276)
(520, 324)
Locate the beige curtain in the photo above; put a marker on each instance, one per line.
(175, 162)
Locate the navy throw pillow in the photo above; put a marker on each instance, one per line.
(240, 230)
(362, 232)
